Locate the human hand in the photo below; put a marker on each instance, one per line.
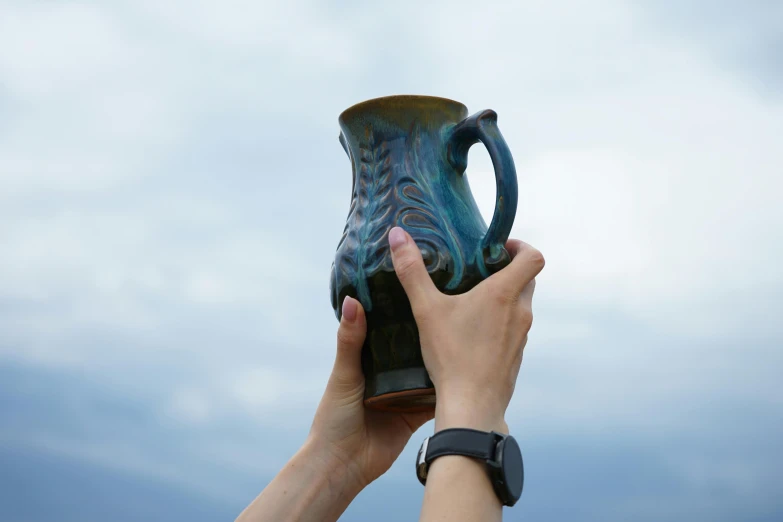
(471, 343)
(365, 442)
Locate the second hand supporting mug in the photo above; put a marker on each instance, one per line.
(409, 155)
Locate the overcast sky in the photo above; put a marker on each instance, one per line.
(172, 192)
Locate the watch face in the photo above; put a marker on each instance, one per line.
(513, 471)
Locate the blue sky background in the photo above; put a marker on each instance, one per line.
(172, 192)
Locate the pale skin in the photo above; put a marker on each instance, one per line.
(472, 346)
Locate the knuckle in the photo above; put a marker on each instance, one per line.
(536, 258)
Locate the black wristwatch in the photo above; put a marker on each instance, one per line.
(500, 452)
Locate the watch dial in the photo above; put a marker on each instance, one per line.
(513, 470)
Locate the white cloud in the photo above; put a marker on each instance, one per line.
(56, 47)
(242, 28)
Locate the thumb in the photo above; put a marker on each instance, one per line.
(347, 372)
(410, 269)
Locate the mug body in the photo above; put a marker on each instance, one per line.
(402, 176)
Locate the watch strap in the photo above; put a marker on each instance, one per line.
(461, 441)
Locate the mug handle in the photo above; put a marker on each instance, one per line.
(483, 127)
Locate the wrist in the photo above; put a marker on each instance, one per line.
(457, 411)
(313, 485)
(336, 468)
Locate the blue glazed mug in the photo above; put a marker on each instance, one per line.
(409, 155)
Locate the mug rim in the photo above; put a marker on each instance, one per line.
(400, 99)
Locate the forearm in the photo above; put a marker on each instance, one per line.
(311, 487)
(458, 488)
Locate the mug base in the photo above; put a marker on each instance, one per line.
(408, 401)
(401, 390)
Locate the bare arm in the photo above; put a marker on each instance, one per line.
(313, 486)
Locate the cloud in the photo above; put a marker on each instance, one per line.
(83, 114)
(745, 41)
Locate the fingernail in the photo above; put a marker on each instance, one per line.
(350, 308)
(397, 238)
